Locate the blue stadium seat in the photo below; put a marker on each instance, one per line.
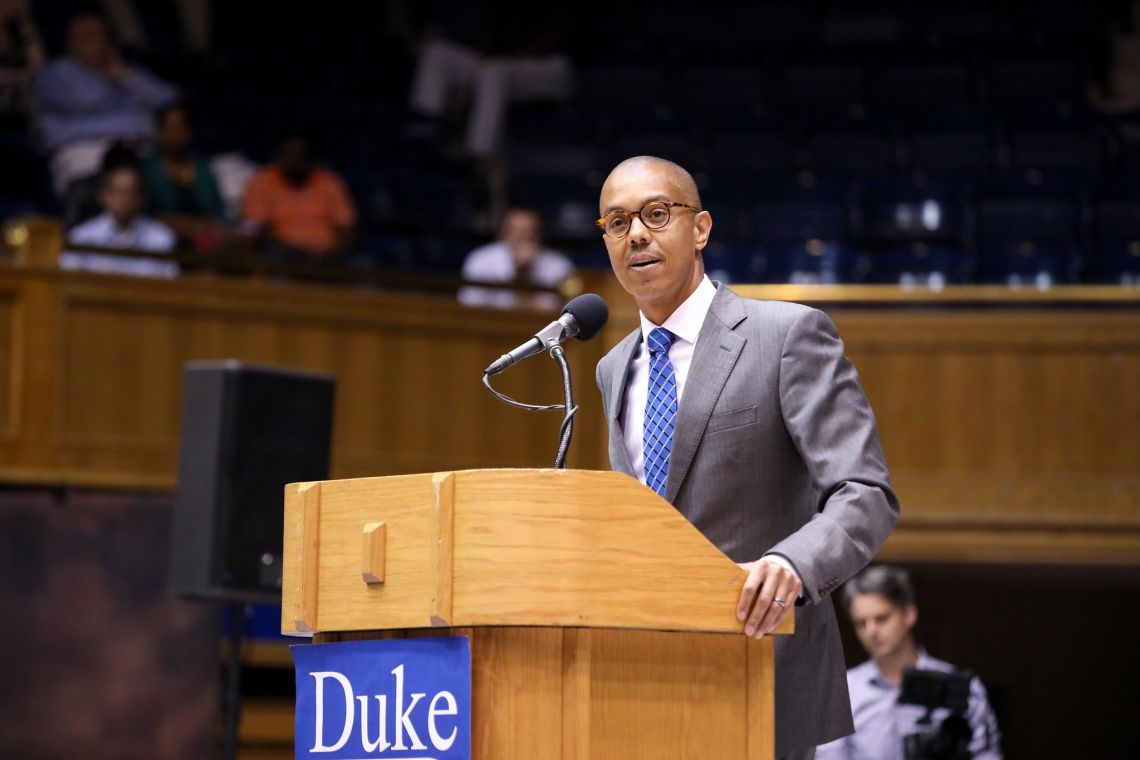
(622, 86)
(775, 23)
(962, 151)
(377, 247)
(441, 251)
(729, 261)
(917, 264)
(679, 146)
(1114, 256)
(432, 198)
(558, 159)
(755, 152)
(851, 152)
(1056, 151)
(820, 89)
(735, 87)
(922, 86)
(953, 24)
(844, 25)
(803, 240)
(1028, 240)
(1033, 87)
(910, 231)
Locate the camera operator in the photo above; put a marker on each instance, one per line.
(880, 602)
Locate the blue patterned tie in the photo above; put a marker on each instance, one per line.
(660, 410)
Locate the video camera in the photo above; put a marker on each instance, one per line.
(934, 689)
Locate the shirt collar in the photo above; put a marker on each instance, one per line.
(685, 322)
(108, 223)
(875, 676)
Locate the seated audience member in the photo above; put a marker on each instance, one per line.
(881, 604)
(517, 59)
(82, 201)
(301, 210)
(518, 254)
(89, 98)
(180, 186)
(121, 225)
(518, 257)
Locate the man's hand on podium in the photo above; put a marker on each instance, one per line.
(769, 590)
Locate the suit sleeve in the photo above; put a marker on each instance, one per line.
(831, 424)
(600, 379)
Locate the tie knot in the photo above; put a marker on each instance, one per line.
(659, 340)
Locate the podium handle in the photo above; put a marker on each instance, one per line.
(372, 556)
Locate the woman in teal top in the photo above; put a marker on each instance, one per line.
(181, 188)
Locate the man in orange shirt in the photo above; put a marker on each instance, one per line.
(299, 208)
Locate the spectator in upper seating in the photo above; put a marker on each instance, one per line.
(518, 59)
(121, 225)
(880, 602)
(518, 256)
(181, 188)
(89, 98)
(21, 56)
(300, 209)
(82, 200)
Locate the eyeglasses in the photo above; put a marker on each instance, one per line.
(654, 215)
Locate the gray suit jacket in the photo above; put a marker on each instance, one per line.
(775, 451)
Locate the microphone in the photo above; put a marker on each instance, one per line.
(583, 317)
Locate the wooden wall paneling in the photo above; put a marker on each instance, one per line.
(12, 337)
(1017, 419)
(436, 415)
(1019, 422)
(33, 367)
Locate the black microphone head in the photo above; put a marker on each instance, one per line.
(590, 312)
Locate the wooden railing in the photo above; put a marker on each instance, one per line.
(1010, 420)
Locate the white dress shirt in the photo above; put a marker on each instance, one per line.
(494, 263)
(685, 323)
(143, 234)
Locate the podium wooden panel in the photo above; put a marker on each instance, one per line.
(602, 624)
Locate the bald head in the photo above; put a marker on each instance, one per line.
(658, 263)
(640, 165)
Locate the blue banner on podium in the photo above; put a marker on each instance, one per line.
(390, 698)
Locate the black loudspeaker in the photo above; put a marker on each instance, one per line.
(246, 431)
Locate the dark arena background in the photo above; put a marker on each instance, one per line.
(956, 183)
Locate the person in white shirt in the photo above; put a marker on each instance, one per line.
(518, 256)
(121, 225)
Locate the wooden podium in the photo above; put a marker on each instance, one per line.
(602, 624)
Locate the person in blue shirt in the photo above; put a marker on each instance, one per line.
(90, 98)
(881, 604)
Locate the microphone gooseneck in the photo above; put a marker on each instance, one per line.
(583, 317)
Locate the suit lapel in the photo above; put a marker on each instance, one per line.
(624, 357)
(717, 350)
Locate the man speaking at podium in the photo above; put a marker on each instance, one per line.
(748, 418)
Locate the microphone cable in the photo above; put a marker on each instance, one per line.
(566, 430)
